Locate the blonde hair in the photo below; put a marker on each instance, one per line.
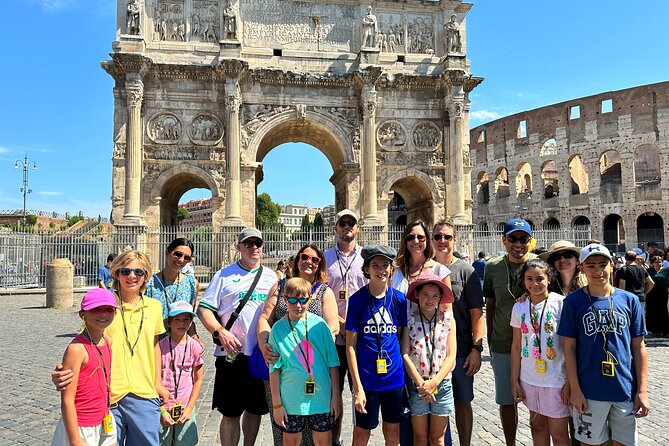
(297, 287)
(125, 258)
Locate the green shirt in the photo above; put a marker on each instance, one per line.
(498, 273)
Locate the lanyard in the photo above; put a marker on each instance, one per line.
(599, 328)
(176, 291)
(316, 286)
(177, 380)
(305, 356)
(102, 363)
(378, 324)
(429, 342)
(344, 273)
(513, 285)
(537, 329)
(139, 331)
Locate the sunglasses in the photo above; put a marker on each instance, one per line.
(567, 255)
(522, 239)
(315, 260)
(179, 254)
(248, 244)
(349, 223)
(438, 237)
(294, 300)
(139, 272)
(412, 237)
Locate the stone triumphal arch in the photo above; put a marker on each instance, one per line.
(204, 89)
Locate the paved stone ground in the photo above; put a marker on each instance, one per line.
(34, 338)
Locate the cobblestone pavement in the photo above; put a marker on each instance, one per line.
(34, 339)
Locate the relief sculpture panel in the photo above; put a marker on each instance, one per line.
(164, 128)
(205, 21)
(391, 136)
(420, 35)
(426, 137)
(170, 21)
(206, 129)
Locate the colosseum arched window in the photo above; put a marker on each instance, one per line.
(581, 220)
(646, 165)
(549, 148)
(483, 188)
(614, 232)
(579, 175)
(549, 173)
(524, 179)
(502, 182)
(650, 228)
(552, 223)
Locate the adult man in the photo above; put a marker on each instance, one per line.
(344, 262)
(502, 284)
(370, 28)
(479, 265)
(105, 279)
(634, 278)
(468, 312)
(236, 392)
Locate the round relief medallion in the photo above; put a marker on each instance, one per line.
(391, 136)
(425, 136)
(206, 130)
(164, 128)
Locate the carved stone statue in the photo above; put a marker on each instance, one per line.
(453, 43)
(370, 27)
(133, 18)
(229, 23)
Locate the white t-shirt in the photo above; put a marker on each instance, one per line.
(400, 283)
(551, 344)
(226, 289)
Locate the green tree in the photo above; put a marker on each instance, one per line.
(182, 214)
(305, 221)
(318, 220)
(31, 220)
(267, 211)
(73, 220)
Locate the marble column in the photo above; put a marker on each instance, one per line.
(456, 153)
(369, 194)
(133, 154)
(233, 198)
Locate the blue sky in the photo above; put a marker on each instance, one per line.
(57, 101)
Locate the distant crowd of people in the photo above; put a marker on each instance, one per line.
(565, 327)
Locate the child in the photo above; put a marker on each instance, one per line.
(428, 349)
(538, 376)
(181, 358)
(602, 330)
(86, 418)
(376, 319)
(304, 381)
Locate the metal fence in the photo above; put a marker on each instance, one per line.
(24, 256)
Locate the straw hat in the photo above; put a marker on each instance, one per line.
(560, 245)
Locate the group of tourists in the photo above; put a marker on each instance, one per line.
(405, 326)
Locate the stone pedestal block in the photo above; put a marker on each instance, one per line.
(59, 281)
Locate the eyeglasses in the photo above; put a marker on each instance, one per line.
(567, 255)
(438, 237)
(349, 223)
(315, 260)
(522, 239)
(179, 254)
(139, 272)
(412, 237)
(294, 300)
(658, 261)
(248, 244)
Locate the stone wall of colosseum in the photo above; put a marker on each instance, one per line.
(601, 160)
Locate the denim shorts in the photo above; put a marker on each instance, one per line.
(442, 407)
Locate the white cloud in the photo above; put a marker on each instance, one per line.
(4, 150)
(49, 193)
(484, 115)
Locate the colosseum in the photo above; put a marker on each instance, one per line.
(600, 161)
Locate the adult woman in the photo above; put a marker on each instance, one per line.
(562, 258)
(170, 284)
(136, 382)
(657, 318)
(309, 264)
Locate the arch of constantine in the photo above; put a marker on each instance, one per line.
(205, 89)
(601, 160)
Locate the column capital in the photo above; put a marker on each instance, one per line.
(135, 92)
(369, 101)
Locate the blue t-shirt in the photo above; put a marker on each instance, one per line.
(168, 292)
(479, 267)
(377, 321)
(578, 322)
(321, 354)
(104, 276)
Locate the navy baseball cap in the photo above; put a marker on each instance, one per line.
(517, 224)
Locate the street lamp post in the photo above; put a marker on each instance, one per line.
(25, 164)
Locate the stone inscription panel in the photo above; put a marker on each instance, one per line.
(297, 25)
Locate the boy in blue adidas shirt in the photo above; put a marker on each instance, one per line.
(375, 320)
(603, 331)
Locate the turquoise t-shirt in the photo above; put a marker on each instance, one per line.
(321, 354)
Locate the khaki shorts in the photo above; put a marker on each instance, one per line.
(91, 436)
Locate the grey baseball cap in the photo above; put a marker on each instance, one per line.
(371, 251)
(345, 212)
(248, 233)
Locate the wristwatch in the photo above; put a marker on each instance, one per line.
(478, 348)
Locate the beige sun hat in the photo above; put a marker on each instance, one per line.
(560, 245)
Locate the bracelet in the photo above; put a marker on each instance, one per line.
(277, 406)
(162, 411)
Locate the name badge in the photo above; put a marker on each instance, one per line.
(540, 366)
(108, 423)
(608, 368)
(381, 366)
(343, 294)
(309, 388)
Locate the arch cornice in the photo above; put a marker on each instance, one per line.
(429, 182)
(183, 169)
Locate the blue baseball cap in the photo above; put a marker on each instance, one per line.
(179, 307)
(517, 224)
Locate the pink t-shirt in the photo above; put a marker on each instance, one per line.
(184, 375)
